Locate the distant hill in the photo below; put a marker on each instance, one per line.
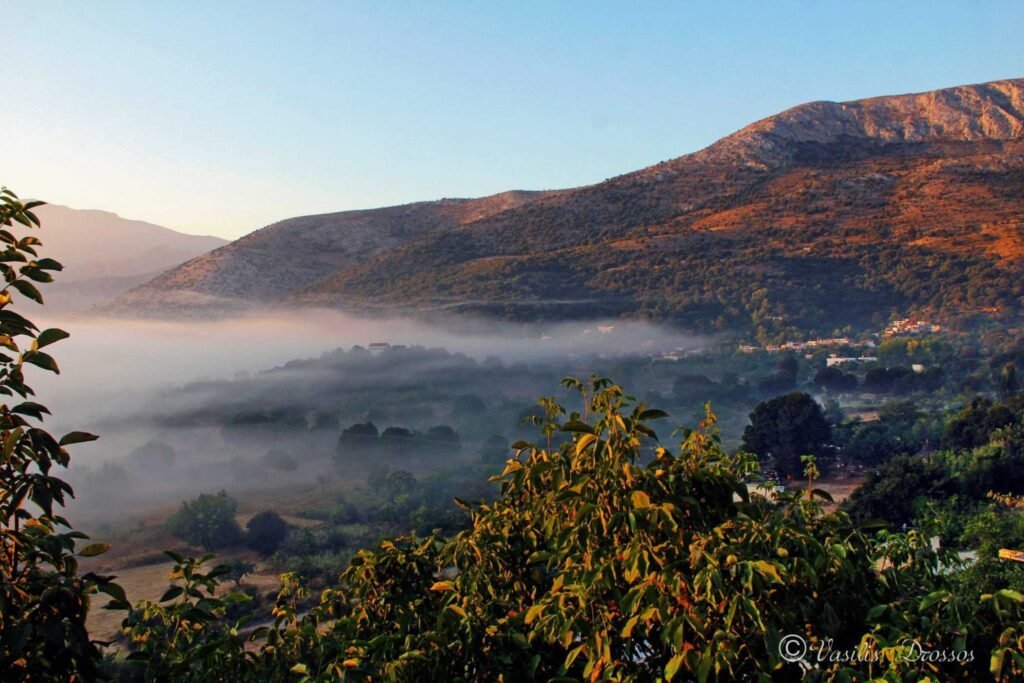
(825, 216)
(104, 255)
(267, 265)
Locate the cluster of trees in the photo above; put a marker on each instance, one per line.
(209, 521)
(833, 380)
(365, 439)
(784, 428)
(901, 428)
(977, 421)
(902, 380)
(783, 379)
(393, 502)
(899, 380)
(982, 451)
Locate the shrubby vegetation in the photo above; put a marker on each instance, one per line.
(207, 521)
(392, 502)
(983, 452)
(609, 557)
(364, 440)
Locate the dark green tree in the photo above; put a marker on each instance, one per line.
(357, 439)
(834, 380)
(446, 436)
(690, 387)
(785, 428)
(468, 405)
(895, 491)
(238, 570)
(207, 521)
(266, 532)
(974, 424)
(1009, 384)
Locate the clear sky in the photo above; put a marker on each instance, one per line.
(222, 117)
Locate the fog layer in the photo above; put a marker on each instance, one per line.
(256, 402)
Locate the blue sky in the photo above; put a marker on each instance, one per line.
(222, 117)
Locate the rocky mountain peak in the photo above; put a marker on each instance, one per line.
(973, 113)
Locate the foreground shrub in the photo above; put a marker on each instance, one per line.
(43, 600)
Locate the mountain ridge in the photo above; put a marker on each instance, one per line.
(809, 183)
(105, 254)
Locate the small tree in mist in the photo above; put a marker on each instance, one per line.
(280, 460)
(208, 521)
(495, 450)
(357, 439)
(238, 570)
(43, 600)
(153, 455)
(266, 531)
(445, 438)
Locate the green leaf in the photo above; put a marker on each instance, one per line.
(627, 630)
(43, 360)
(578, 427)
(94, 549)
(672, 668)
(172, 593)
(115, 591)
(82, 437)
(767, 569)
(177, 557)
(32, 409)
(583, 441)
(822, 493)
(49, 336)
(36, 274)
(640, 500)
(28, 289)
(653, 414)
(875, 612)
(1011, 594)
(934, 597)
(538, 556)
